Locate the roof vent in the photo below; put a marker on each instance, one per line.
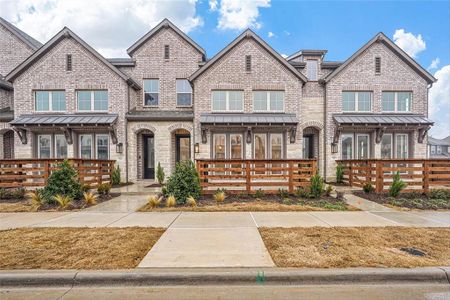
(377, 65)
(69, 62)
(248, 63)
(166, 52)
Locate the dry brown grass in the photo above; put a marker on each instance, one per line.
(21, 206)
(75, 248)
(320, 247)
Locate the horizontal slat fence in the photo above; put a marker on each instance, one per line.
(248, 176)
(33, 173)
(418, 174)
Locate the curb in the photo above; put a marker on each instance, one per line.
(197, 277)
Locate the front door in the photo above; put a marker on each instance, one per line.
(183, 147)
(308, 146)
(149, 156)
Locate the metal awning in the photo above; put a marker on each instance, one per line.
(248, 119)
(65, 120)
(161, 115)
(381, 120)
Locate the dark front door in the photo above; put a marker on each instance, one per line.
(183, 147)
(149, 156)
(308, 146)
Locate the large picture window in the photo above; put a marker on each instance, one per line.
(92, 100)
(268, 101)
(93, 146)
(396, 101)
(227, 101)
(184, 93)
(51, 146)
(356, 101)
(50, 100)
(151, 92)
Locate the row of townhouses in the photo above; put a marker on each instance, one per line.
(168, 102)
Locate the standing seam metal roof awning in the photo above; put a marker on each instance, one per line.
(65, 120)
(247, 119)
(385, 120)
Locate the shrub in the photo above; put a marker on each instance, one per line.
(63, 201)
(104, 189)
(340, 173)
(89, 198)
(283, 193)
(397, 186)
(191, 201)
(220, 195)
(85, 188)
(154, 201)
(160, 174)
(302, 192)
(368, 188)
(328, 191)
(439, 194)
(171, 201)
(63, 181)
(115, 178)
(287, 201)
(259, 193)
(36, 199)
(184, 182)
(316, 188)
(19, 193)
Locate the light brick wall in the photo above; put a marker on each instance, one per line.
(229, 73)
(6, 98)
(360, 75)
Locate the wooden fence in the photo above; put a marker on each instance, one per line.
(419, 174)
(33, 173)
(248, 176)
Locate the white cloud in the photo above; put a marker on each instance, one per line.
(240, 14)
(440, 103)
(287, 33)
(410, 43)
(270, 34)
(213, 5)
(110, 26)
(434, 64)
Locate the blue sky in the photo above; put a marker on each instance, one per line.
(421, 28)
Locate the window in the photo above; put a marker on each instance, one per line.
(219, 146)
(260, 141)
(433, 149)
(87, 142)
(236, 149)
(311, 68)
(151, 92)
(276, 146)
(268, 101)
(166, 52)
(356, 101)
(102, 142)
(439, 149)
(60, 146)
(92, 100)
(227, 100)
(228, 145)
(377, 65)
(401, 145)
(248, 63)
(50, 146)
(396, 101)
(45, 146)
(268, 146)
(86, 146)
(347, 146)
(184, 93)
(363, 147)
(50, 100)
(69, 62)
(386, 146)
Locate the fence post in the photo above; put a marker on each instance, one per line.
(426, 177)
(291, 177)
(99, 173)
(350, 173)
(379, 177)
(46, 171)
(247, 176)
(111, 171)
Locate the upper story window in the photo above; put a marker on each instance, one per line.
(268, 101)
(311, 69)
(92, 100)
(184, 93)
(356, 101)
(227, 101)
(166, 52)
(396, 101)
(50, 100)
(151, 92)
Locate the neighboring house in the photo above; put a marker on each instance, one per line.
(439, 148)
(167, 103)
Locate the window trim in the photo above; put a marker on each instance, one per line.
(50, 101)
(176, 88)
(356, 102)
(143, 92)
(368, 145)
(391, 135)
(352, 135)
(92, 101)
(242, 143)
(396, 102)
(268, 145)
(39, 144)
(406, 143)
(96, 144)
(55, 147)
(267, 102)
(227, 101)
(215, 135)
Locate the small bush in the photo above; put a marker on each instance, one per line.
(115, 178)
(85, 188)
(104, 189)
(160, 175)
(220, 195)
(368, 188)
(63, 201)
(259, 193)
(184, 182)
(317, 186)
(283, 193)
(287, 201)
(89, 198)
(397, 186)
(171, 201)
(302, 192)
(439, 194)
(328, 190)
(19, 193)
(63, 181)
(191, 201)
(154, 201)
(36, 199)
(339, 173)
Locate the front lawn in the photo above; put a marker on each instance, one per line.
(435, 199)
(75, 248)
(340, 247)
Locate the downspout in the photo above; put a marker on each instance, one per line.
(427, 108)
(126, 134)
(325, 146)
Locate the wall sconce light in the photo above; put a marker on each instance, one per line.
(249, 136)
(334, 147)
(204, 138)
(293, 133)
(196, 148)
(119, 148)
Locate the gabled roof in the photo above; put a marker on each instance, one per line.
(164, 24)
(439, 142)
(308, 52)
(66, 33)
(248, 34)
(28, 40)
(382, 38)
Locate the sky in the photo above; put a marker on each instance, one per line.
(421, 28)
